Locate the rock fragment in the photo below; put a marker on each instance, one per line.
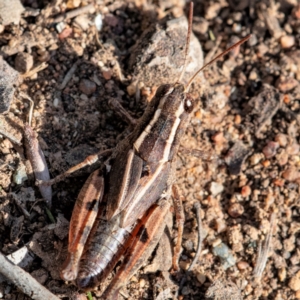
(23, 62)
(8, 79)
(236, 156)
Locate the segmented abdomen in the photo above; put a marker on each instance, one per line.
(106, 244)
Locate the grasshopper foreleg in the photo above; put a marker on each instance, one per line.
(121, 111)
(91, 159)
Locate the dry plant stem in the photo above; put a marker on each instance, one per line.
(69, 75)
(73, 13)
(37, 69)
(24, 281)
(180, 222)
(91, 159)
(264, 250)
(38, 162)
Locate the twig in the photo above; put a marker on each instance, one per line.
(24, 281)
(263, 251)
(36, 156)
(69, 75)
(37, 69)
(73, 13)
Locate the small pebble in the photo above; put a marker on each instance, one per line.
(242, 265)
(201, 278)
(87, 87)
(270, 149)
(224, 253)
(266, 163)
(256, 158)
(294, 282)
(235, 210)
(142, 283)
(216, 188)
(281, 139)
(282, 158)
(23, 62)
(106, 73)
(286, 84)
(246, 191)
(282, 274)
(287, 41)
(293, 149)
(291, 174)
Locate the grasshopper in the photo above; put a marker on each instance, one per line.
(121, 208)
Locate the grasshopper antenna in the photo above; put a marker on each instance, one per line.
(217, 57)
(188, 38)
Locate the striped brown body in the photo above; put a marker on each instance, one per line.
(141, 171)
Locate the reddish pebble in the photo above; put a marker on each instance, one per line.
(246, 191)
(218, 138)
(242, 265)
(291, 174)
(235, 210)
(266, 163)
(65, 33)
(278, 182)
(106, 74)
(87, 87)
(270, 149)
(281, 139)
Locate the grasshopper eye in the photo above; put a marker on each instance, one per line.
(188, 103)
(163, 90)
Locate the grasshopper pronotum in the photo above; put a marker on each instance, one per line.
(121, 208)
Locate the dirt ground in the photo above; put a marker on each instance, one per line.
(240, 157)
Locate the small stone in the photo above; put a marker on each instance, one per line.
(87, 87)
(200, 25)
(10, 11)
(281, 139)
(270, 149)
(246, 191)
(83, 22)
(201, 278)
(282, 274)
(256, 158)
(220, 225)
(294, 282)
(212, 11)
(8, 80)
(293, 149)
(242, 265)
(291, 174)
(142, 283)
(235, 210)
(218, 138)
(106, 73)
(287, 41)
(286, 84)
(216, 188)
(23, 62)
(282, 158)
(224, 253)
(297, 295)
(20, 175)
